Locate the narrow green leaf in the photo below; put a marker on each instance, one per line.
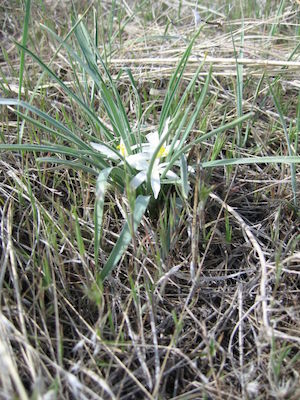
(174, 83)
(184, 176)
(120, 247)
(116, 108)
(287, 138)
(188, 89)
(279, 12)
(41, 77)
(68, 163)
(22, 59)
(197, 109)
(69, 92)
(55, 149)
(139, 108)
(252, 160)
(239, 85)
(182, 118)
(98, 211)
(297, 125)
(69, 135)
(222, 128)
(111, 98)
(41, 147)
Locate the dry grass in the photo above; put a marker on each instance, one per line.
(228, 330)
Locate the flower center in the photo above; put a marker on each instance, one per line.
(122, 149)
(162, 152)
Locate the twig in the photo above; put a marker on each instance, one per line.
(256, 246)
(207, 60)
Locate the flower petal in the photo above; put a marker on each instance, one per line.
(172, 175)
(138, 161)
(155, 181)
(105, 150)
(138, 179)
(153, 140)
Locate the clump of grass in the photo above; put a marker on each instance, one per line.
(196, 297)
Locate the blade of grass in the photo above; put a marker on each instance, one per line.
(69, 92)
(54, 149)
(22, 58)
(98, 211)
(79, 238)
(216, 131)
(174, 83)
(289, 147)
(182, 119)
(70, 136)
(139, 109)
(279, 13)
(252, 160)
(239, 77)
(111, 100)
(297, 123)
(197, 109)
(188, 90)
(239, 84)
(95, 41)
(68, 163)
(49, 64)
(120, 247)
(184, 176)
(111, 23)
(117, 109)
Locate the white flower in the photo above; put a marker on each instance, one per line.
(141, 160)
(157, 170)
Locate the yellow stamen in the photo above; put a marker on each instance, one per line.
(162, 152)
(122, 149)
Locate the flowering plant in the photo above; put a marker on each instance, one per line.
(148, 161)
(141, 157)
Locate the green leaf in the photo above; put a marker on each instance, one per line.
(239, 83)
(290, 150)
(120, 247)
(185, 149)
(22, 59)
(55, 149)
(88, 111)
(70, 163)
(99, 205)
(197, 109)
(174, 83)
(139, 108)
(252, 160)
(109, 94)
(67, 135)
(184, 176)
